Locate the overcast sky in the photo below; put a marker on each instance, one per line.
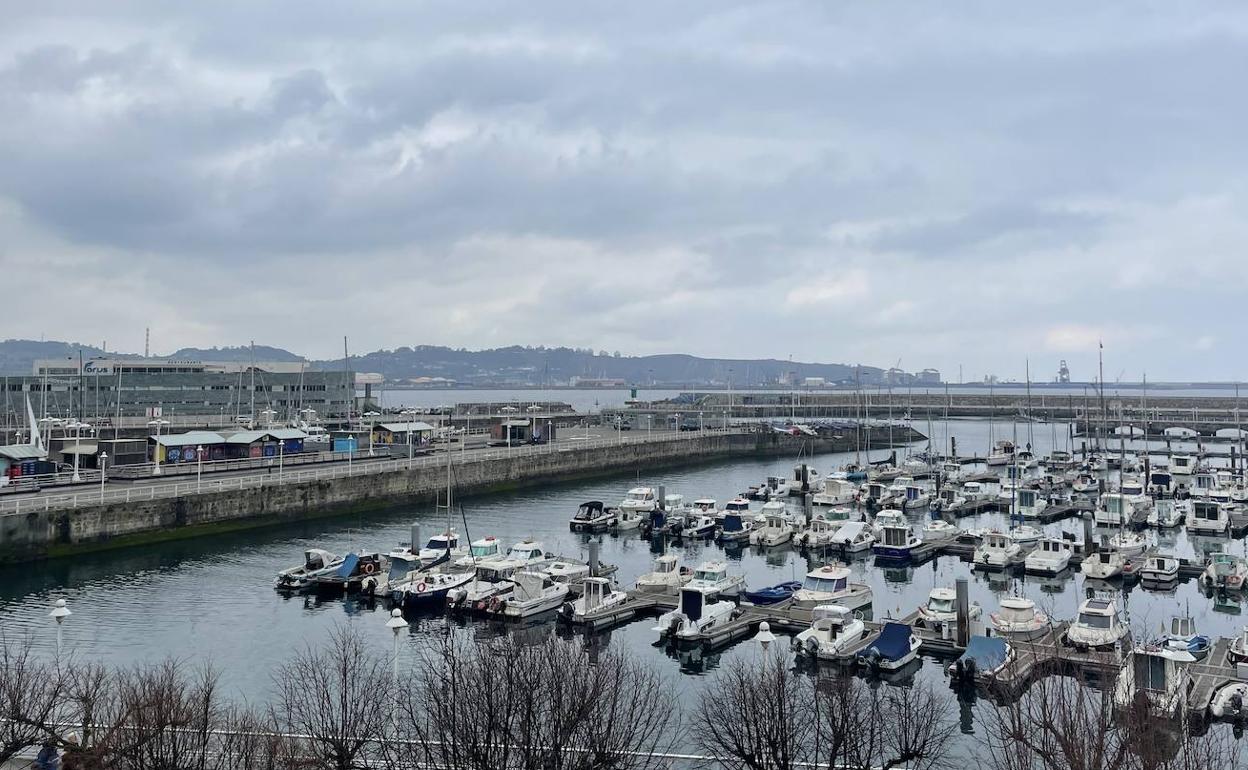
(972, 183)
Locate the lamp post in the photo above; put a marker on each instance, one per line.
(59, 613)
(155, 461)
(77, 426)
(764, 636)
(396, 623)
(281, 455)
(199, 467)
(103, 466)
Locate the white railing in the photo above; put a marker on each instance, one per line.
(279, 475)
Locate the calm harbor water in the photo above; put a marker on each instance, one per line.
(211, 599)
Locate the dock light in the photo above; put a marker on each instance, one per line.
(59, 613)
(396, 623)
(157, 423)
(764, 635)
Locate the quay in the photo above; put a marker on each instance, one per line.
(99, 516)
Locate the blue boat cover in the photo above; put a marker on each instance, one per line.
(348, 566)
(773, 594)
(987, 652)
(732, 522)
(893, 644)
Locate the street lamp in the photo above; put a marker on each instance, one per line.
(77, 426)
(396, 623)
(59, 613)
(764, 636)
(281, 455)
(199, 467)
(103, 466)
(156, 462)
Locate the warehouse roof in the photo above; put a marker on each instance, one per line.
(22, 452)
(406, 427)
(191, 438)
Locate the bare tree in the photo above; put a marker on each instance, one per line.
(757, 715)
(547, 706)
(337, 698)
(30, 691)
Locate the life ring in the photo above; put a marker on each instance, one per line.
(369, 568)
(494, 604)
(420, 588)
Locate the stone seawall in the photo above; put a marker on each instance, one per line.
(49, 533)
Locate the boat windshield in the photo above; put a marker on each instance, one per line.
(940, 605)
(829, 585)
(484, 550)
(1094, 621)
(441, 543)
(710, 576)
(639, 497)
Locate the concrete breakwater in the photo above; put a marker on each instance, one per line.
(84, 522)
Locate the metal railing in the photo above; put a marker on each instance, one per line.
(278, 475)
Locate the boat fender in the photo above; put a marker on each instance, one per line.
(495, 604)
(420, 587)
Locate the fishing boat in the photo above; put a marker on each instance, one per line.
(1085, 484)
(532, 594)
(599, 603)
(1225, 571)
(487, 548)
(949, 498)
(939, 530)
(1157, 676)
(836, 492)
(700, 526)
(315, 561)
(853, 537)
(894, 539)
(1182, 465)
(1018, 618)
(896, 646)
(706, 505)
(805, 480)
(781, 592)
(1114, 509)
(441, 545)
(1050, 557)
(1160, 569)
(1030, 504)
(773, 488)
(915, 495)
(1103, 564)
(735, 527)
(1128, 543)
(997, 550)
(776, 530)
(667, 576)
(427, 589)
(974, 491)
(830, 584)
(635, 508)
(362, 571)
(941, 609)
(819, 532)
(699, 612)
(712, 576)
(592, 516)
(1183, 638)
(1001, 454)
(1027, 536)
(1097, 626)
(488, 580)
(833, 630)
(566, 571)
(1208, 517)
(1168, 513)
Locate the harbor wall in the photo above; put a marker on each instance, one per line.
(50, 533)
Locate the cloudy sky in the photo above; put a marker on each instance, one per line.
(956, 183)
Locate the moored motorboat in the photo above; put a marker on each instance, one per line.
(356, 572)
(1018, 618)
(1097, 625)
(667, 576)
(700, 611)
(1183, 637)
(1050, 556)
(599, 603)
(939, 530)
(1225, 571)
(1156, 676)
(532, 594)
(997, 550)
(941, 609)
(1159, 568)
(592, 516)
(315, 561)
(1237, 652)
(894, 538)
(781, 592)
(983, 658)
(896, 646)
(853, 537)
(1103, 565)
(713, 577)
(428, 589)
(833, 630)
(830, 584)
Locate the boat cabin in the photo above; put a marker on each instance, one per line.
(692, 602)
(711, 572)
(737, 505)
(1182, 465)
(1027, 499)
(1099, 614)
(590, 511)
(526, 551)
(830, 619)
(1208, 511)
(949, 495)
(876, 490)
(732, 522)
(998, 541)
(895, 535)
(973, 489)
(639, 497)
(1054, 546)
(704, 505)
(487, 548)
(447, 541)
(674, 502)
(828, 579)
(595, 590)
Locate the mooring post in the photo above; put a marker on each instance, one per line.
(662, 497)
(415, 536)
(962, 606)
(808, 505)
(1088, 542)
(593, 558)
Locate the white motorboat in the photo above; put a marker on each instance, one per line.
(836, 492)
(974, 491)
(735, 525)
(915, 496)
(894, 539)
(811, 483)
(833, 629)
(1184, 638)
(950, 498)
(1208, 517)
(699, 612)
(853, 537)
(315, 562)
(1085, 484)
(1051, 556)
(1182, 465)
(1225, 571)
(490, 579)
(997, 550)
(1026, 536)
(1128, 542)
(893, 649)
(776, 530)
(635, 508)
(666, 577)
(428, 588)
(1229, 701)
(1114, 509)
(592, 516)
(706, 505)
(487, 548)
(532, 593)
(445, 544)
(951, 472)
(1167, 513)
(939, 530)
(1103, 564)
(1018, 618)
(1030, 504)
(599, 598)
(1159, 568)
(700, 525)
(1097, 626)
(1002, 454)
(526, 554)
(819, 533)
(1238, 651)
(1156, 675)
(830, 585)
(713, 577)
(941, 609)
(565, 571)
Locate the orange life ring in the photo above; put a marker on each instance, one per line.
(369, 568)
(420, 588)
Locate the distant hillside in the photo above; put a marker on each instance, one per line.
(19, 356)
(541, 365)
(241, 353)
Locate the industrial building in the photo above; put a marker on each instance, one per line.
(132, 391)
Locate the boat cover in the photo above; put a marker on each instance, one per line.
(987, 652)
(894, 642)
(773, 594)
(348, 566)
(732, 522)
